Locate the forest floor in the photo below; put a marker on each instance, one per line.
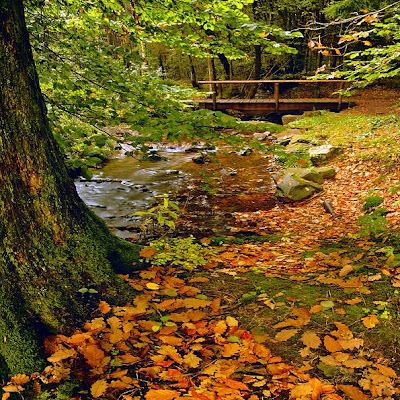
(301, 305)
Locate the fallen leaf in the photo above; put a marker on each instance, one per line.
(162, 394)
(147, 252)
(285, 335)
(353, 392)
(104, 307)
(98, 388)
(191, 360)
(152, 286)
(310, 339)
(331, 344)
(370, 321)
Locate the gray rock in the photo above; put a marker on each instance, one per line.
(326, 172)
(291, 187)
(322, 154)
(296, 148)
(287, 119)
(261, 136)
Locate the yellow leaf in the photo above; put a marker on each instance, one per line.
(230, 321)
(5, 396)
(98, 388)
(152, 286)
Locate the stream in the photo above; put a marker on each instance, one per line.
(126, 185)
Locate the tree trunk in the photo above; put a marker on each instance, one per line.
(51, 245)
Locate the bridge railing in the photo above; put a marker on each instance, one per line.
(214, 84)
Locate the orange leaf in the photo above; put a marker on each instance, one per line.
(231, 383)
(353, 392)
(5, 396)
(171, 352)
(98, 388)
(104, 307)
(191, 360)
(387, 371)
(230, 349)
(370, 321)
(12, 388)
(331, 344)
(310, 339)
(315, 309)
(220, 327)
(94, 355)
(147, 252)
(162, 394)
(20, 379)
(286, 334)
(61, 355)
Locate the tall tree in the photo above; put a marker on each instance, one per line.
(51, 245)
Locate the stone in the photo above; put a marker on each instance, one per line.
(291, 187)
(322, 154)
(245, 152)
(261, 136)
(314, 113)
(296, 148)
(202, 158)
(284, 138)
(287, 119)
(308, 174)
(298, 139)
(327, 172)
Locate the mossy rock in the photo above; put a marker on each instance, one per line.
(292, 187)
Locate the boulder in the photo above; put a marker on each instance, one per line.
(287, 119)
(322, 154)
(261, 136)
(308, 174)
(326, 172)
(291, 187)
(296, 148)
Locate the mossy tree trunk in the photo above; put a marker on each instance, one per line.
(51, 245)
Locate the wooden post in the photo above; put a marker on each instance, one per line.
(220, 92)
(340, 101)
(212, 76)
(276, 96)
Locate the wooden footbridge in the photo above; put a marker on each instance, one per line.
(277, 104)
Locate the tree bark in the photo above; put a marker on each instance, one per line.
(51, 245)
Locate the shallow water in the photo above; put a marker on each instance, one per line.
(126, 185)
